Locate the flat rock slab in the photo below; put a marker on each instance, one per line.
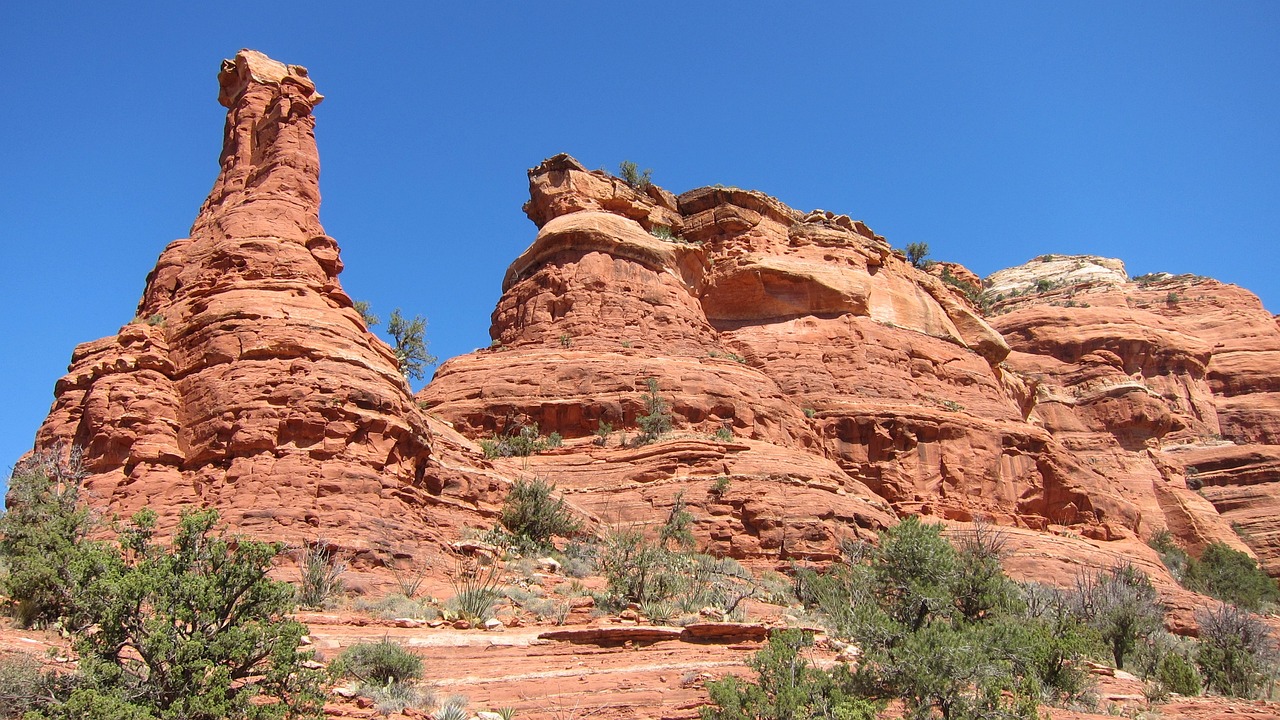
(727, 632)
(614, 634)
(718, 632)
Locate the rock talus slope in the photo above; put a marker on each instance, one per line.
(249, 382)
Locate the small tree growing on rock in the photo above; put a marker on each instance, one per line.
(917, 252)
(631, 175)
(656, 420)
(43, 536)
(410, 345)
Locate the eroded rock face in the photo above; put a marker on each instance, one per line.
(1166, 384)
(847, 386)
(820, 385)
(249, 383)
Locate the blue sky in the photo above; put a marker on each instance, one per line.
(1148, 131)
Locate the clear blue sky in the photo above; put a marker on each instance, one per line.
(993, 131)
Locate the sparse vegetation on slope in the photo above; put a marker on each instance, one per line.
(193, 629)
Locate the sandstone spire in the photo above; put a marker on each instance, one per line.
(248, 381)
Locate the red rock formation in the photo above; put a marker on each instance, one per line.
(820, 385)
(248, 381)
(1145, 379)
(851, 381)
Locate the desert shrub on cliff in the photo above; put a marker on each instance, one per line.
(534, 515)
(1121, 604)
(916, 254)
(631, 175)
(410, 345)
(366, 314)
(1231, 576)
(656, 420)
(519, 441)
(1171, 554)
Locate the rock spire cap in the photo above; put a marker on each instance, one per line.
(251, 66)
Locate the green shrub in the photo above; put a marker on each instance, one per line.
(1173, 556)
(678, 528)
(913, 568)
(979, 587)
(663, 232)
(603, 431)
(387, 673)
(1048, 649)
(631, 175)
(410, 345)
(787, 688)
(1121, 605)
(942, 627)
(720, 486)
(1231, 576)
(383, 662)
(957, 670)
(533, 514)
(196, 630)
(656, 420)
(520, 441)
(916, 253)
(636, 569)
(1177, 674)
(370, 320)
(42, 537)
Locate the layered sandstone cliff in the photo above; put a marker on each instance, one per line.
(248, 382)
(821, 386)
(856, 387)
(1167, 383)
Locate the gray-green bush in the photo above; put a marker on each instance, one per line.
(1237, 654)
